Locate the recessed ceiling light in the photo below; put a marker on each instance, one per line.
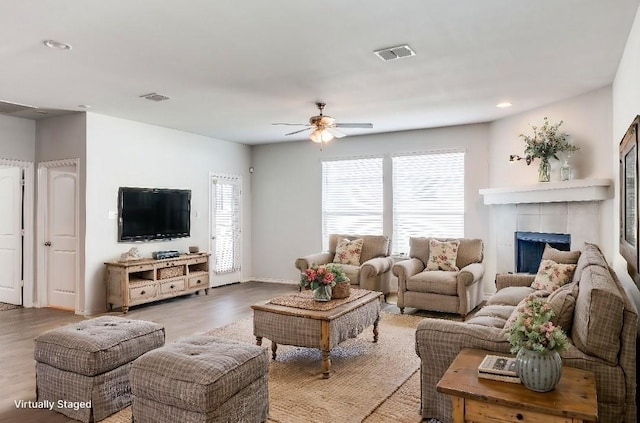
(504, 105)
(56, 45)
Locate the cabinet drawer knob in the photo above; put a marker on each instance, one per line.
(199, 281)
(172, 286)
(142, 292)
(519, 416)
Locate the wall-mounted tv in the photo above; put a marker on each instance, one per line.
(146, 214)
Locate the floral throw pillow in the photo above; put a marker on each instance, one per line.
(348, 252)
(443, 255)
(552, 275)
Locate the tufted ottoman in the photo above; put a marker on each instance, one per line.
(82, 369)
(201, 379)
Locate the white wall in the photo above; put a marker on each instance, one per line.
(587, 118)
(626, 105)
(127, 153)
(287, 192)
(57, 138)
(17, 138)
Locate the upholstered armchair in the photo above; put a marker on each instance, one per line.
(456, 289)
(371, 271)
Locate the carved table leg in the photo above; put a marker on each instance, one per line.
(274, 348)
(375, 329)
(326, 364)
(258, 340)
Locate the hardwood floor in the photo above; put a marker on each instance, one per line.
(180, 316)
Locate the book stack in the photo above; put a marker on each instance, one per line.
(498, 367)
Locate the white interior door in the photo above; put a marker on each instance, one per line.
(11, 235)
(225, 229)
(61, 236)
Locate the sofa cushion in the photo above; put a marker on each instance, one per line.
(564, 257)
(511, 319)
(597, 320)
(511, 295)
(500, 311)
(443, 255)
(436, 281)
(469, 250)
(563, 302)
(590, 256)
(552, 275)
(348, 251)
(488, 321)
(373, 245)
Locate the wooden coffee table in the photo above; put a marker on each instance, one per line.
(316, 329)
(482, 400)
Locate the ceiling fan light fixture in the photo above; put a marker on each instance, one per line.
(321, 136)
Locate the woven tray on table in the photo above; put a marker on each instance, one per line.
(341, 290)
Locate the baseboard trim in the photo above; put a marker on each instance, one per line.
(273, 280)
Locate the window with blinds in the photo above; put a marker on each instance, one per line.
(227, 224)
(428, 197)
(352, 201)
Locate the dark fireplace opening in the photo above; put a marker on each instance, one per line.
(530, 245)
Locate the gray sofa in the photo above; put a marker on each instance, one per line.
(602, 329)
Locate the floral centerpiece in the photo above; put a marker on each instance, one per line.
(321, 279)
(547, 141)
(537, 342)
(533, 329)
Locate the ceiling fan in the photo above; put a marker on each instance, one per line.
(324, 127)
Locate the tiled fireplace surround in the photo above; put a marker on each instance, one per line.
(580, 219)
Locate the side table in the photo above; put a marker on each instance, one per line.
(483, 400)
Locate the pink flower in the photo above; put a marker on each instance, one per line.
(311, 274)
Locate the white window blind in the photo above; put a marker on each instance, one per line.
(428, 197)
(227, 224)
(351, 197)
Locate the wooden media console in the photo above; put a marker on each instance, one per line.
(143, 281)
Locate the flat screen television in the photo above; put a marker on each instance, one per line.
(146, 214)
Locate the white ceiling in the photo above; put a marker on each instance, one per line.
(232, 68)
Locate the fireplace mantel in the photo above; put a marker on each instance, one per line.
(550, 192)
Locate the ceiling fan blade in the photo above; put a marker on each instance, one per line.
(335, 132)
(354, 125)
(296, 132)
(291, 124)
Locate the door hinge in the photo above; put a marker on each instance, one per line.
(21, 232)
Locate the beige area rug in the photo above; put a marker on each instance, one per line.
(364, 375)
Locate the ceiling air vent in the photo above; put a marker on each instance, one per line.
(8, 107)
(393, 53)
(155, 97)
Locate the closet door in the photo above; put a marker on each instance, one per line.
(11, 235)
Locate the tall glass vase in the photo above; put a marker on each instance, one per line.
(544, 170)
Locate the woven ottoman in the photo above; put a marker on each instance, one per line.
(201, 379)
(83, 369)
